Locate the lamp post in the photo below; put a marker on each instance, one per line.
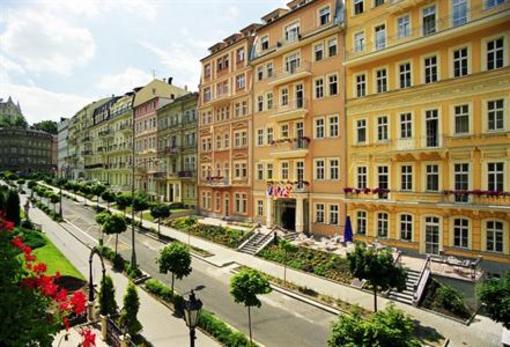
(192, 308)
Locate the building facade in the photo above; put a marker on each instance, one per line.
(428, 92)
(225, 128)
(299, 141)
(177, 150)
(146, 101)
(25, 150)
(63, 148)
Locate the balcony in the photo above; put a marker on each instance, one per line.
(416, 146)
(171, 150)
(106, 133)
(290, 148)
(126, 128)
(186, 174)
(295, 109)
(396, 6)
(292, 73)
(217, 98)
(217, 181)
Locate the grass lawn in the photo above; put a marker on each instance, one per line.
(178, 210)
(147, 216)
(56, 261)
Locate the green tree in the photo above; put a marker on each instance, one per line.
(31, 185)
(109, 197)
(101, 219)
(175, 258)
(97, 190)
(115, 224)
(287, 248)
(377, 268)
(107, 303)
(140, 203)
(12, 208)
(245, 286)
(50, 126)
(129, 312)
(494, 294)
(54, 199)
(123, 201)
(387, 328)
(160, 211)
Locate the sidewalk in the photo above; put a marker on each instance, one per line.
(160, 327)
(481, 332)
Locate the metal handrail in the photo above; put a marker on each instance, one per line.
(419, 287)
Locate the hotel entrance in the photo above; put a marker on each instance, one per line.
(285, 213)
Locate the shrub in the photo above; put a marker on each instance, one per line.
(451, 300)
(12, 208)
(221, 331)
(157, 288)
(128, 317)
(107, 297)
(118, 263)
(32, 238)
(176, 205)
(26, 223)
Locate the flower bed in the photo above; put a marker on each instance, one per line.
(320, 263)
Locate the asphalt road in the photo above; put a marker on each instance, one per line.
(281, 321)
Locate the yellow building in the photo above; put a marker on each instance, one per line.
(298, 141)
(428, 124)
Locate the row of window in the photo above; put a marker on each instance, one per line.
(222, 113)
(240, 202)
(461, 229)
(461, 124)
(173, 141)
(240, 170)
(460, 66)
(223, 141)
(222, 63)
(461, 178)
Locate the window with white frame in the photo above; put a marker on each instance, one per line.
(300, 173)
(269, 171)
(493, 3)
(284, 170)
(260, 137)
(284, 131)
(460, 62)
(378, 3)
(240, 202)
(361, 177)
(269, 101)
(405, 75)
(284, 95)
(260, 171)
(324, 16)
(461, 181)
(319, 213)
(332, 47)
(269, 70)
(406, 178)
(404, 26)
(382, 128)
(495, 115)
(496, 176)
(333, 169)
(319, 169)
(333, 126)
(380, 36)
(260, 208)
(292, 62)
(361, 130)
(226, 141)
(429, 20)
(264, 43)
(318, 50)
(260, 73)
(494, 235)
(406, 125)
(461, 116)
(333, 85)
(292, 32)
(260, 103)
(383, 182)
(459, 10)
(382, 224)
(406, 227)
(460, 232)
(319, 128)
(333, 214)
(319, 88)
(432, 177)
(358, 6)
(361, 87)
(269, 136)
(381, 80)
(240, 82)
(359, 42)
(237, 139)
(495, 52)
(361, 222)
(430, 65)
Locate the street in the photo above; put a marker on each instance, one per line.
(281, 321)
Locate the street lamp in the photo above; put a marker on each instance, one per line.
(192, 308)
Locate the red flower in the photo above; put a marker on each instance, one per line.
(7, 225)
(89, 338)
(18, 243)
(78, 302)
(40, 268)
(66, 323)
(29, 282)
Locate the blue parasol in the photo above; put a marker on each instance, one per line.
(348, 230)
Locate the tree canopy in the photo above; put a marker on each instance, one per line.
(246, 285)
(176, 259)
(495, 296)
(50, 126)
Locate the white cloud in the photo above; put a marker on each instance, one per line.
(41, 42)
(182, 61)
(124, 81)
(40, 104)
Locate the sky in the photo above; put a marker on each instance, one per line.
(58, 55)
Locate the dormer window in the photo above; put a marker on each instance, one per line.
(240, 55)
(324, 16)
(264, 43)
(358, 6)
(292, 32)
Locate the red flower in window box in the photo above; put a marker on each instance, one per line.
(367, 190)
(348, 190)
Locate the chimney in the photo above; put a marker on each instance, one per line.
(170, 80)
(185, 87)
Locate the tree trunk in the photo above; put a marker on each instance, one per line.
(375, 299)
(159, 229)
(116, 242)
(285, 273)
(249, 324)
(173, 278)
(141, 218)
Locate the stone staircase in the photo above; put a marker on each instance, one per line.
(290, 236)
(407, 295)
(255, 243)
